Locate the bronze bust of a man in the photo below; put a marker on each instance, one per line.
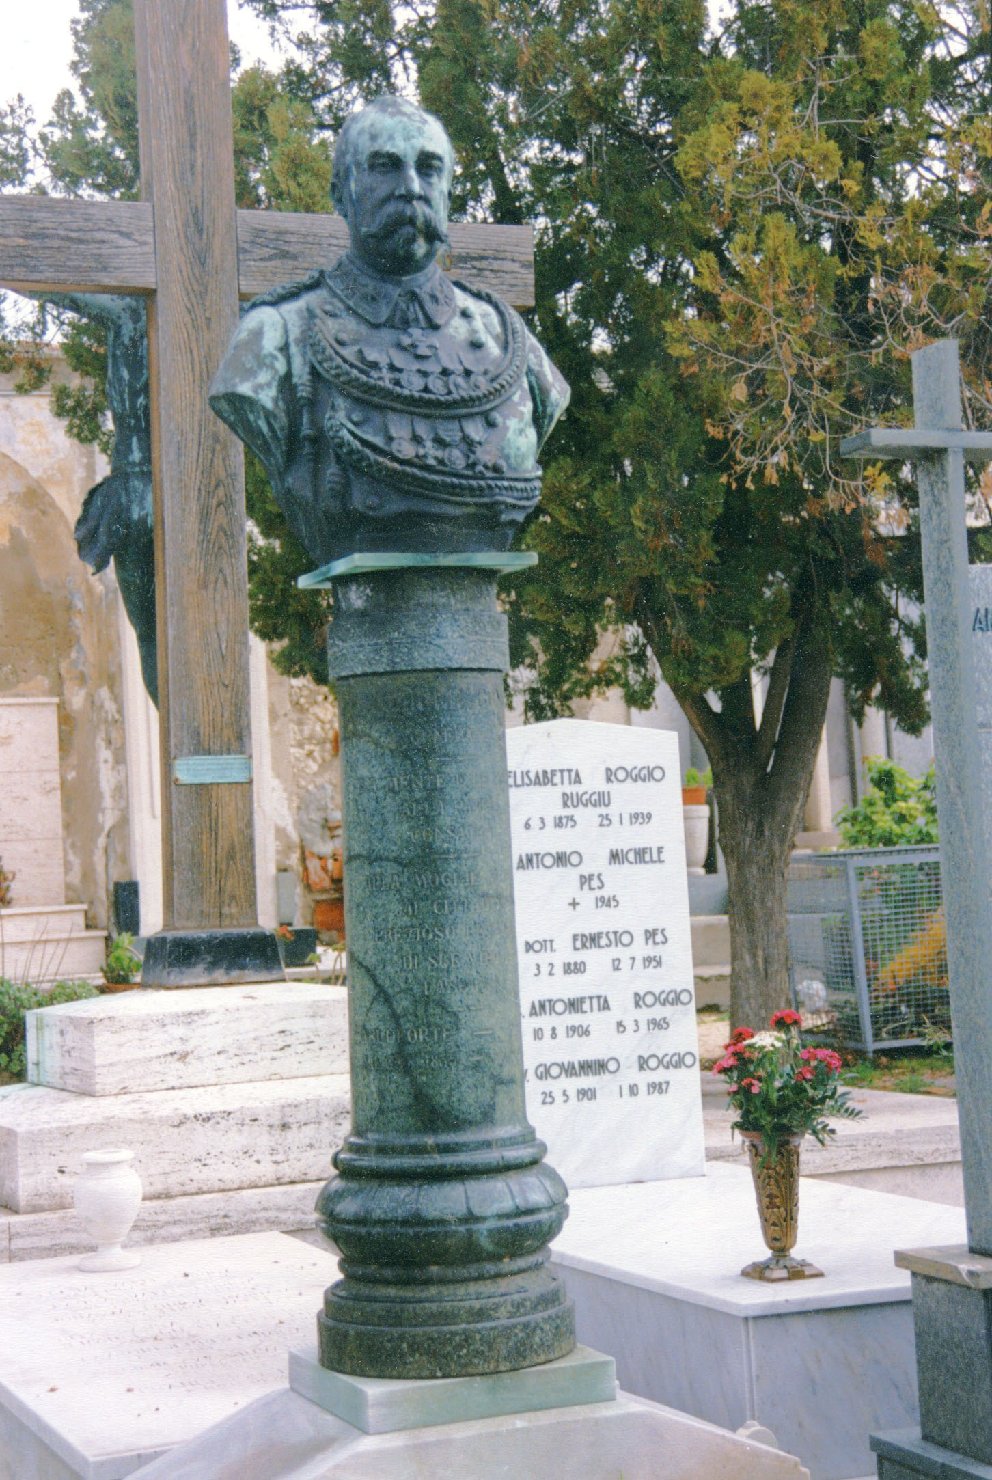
(393, 408)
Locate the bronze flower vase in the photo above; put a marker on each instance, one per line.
(776, 1186)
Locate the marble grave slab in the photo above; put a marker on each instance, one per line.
(654, 1272)
(100, 1374)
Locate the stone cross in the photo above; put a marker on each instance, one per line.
(938, 445)
(186, 248)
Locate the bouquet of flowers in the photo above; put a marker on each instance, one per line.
(778, 1087)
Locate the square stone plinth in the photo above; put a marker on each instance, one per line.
(158, 1040)
(654, 1270)
(908, 1456)
(952, 1319)
(285, 1437)
(99, 1373)
(381, 1405)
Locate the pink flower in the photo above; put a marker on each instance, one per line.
(754, 1085)
(786, 1018)
(804, 1074)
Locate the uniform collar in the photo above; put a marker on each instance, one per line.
(426, 299)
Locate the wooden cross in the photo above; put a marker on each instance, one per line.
(938, 444)
(186, 248)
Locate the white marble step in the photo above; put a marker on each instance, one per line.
(73, 955)
(155, 1040)
(39, 921)
(287, 1208)
(209, 1139)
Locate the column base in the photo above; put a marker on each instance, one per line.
(211, 958)
(378, 1405)
(445, 1330)
(907, 1456)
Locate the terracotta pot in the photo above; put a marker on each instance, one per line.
(776, 1185)
(118, 986)
(694, 796)
(328, 914)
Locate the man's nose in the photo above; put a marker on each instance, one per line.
(411, 185)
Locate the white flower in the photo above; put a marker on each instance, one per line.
(766, 1040)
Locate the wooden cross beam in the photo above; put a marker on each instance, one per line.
(192, 254)
(939, 445)
(49, 246)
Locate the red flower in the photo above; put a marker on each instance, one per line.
(786, 1018)
(754, 1085)
(822, 1056)
(740, 1035)
(804, 1074)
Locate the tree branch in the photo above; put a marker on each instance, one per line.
(778, 688)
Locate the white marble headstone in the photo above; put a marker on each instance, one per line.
(606, 990)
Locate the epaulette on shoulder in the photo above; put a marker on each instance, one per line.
(288, 290)
(486, 297)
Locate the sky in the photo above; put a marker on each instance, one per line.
(37, 47)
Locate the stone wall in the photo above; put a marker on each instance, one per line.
(63, 635)
(58, 637)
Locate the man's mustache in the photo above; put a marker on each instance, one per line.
(419, 216)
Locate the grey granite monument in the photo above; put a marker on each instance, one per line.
(400, 417)
(952, 1287)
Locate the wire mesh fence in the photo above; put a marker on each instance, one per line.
(868, 946)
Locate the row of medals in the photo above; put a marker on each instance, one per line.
(420, 362)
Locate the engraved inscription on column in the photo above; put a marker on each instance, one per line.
(431, 992)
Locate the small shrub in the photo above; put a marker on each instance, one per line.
(694, 777)
(122, 965)
(17, 998)
(897, 810)
(7, 877)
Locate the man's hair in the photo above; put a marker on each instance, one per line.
(344, 149)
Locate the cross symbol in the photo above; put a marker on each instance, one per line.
(573, 904)
(938, 444)
(192, 255)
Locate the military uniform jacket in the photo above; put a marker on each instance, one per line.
(374, 398)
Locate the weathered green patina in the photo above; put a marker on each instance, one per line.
(393, 408)
(400, 418)
(116, 517)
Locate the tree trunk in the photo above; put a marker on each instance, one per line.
(757, 855)
(761, 776)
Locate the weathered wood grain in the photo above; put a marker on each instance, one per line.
(109, 247)
(187, 171)
(76, 245)
(278, 247)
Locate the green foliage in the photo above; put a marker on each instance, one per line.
(18, 998)
(897, 810)
(7, 877)
(694, 777)
(121, 965)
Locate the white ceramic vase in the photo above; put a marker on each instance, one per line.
(107, 1196)
(696, 826)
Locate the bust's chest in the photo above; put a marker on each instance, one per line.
(450, 401)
